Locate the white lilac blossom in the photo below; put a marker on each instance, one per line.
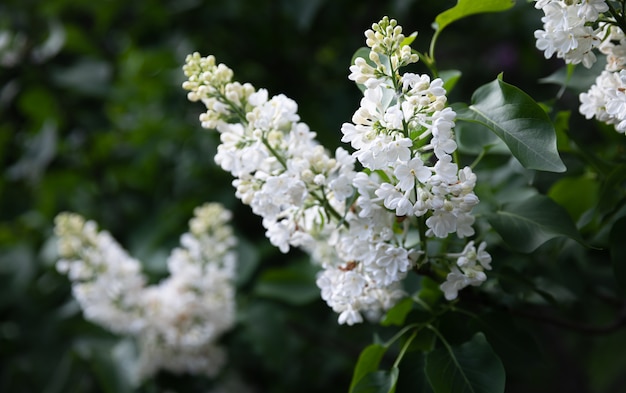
(573, 30)
(469, 269)
(606, 100)
(568, 31)
(176, 322)
(368, 228)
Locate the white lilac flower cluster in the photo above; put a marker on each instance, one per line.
(573, 30)
(176, 322)
(568, 31)
(365, 228)
(606, 99)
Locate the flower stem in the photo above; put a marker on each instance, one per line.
(405, 347)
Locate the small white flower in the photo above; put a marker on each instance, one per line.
(407, 173)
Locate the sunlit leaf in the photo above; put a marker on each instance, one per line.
(397, 314)
(465, 8)
(527, 224)
(408, 40)
(519, 121)
(472, 367)
(575, 194)
(368, 362)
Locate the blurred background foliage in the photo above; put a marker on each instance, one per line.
(93, 119)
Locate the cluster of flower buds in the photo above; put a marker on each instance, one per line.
(176, 322)
(366, 228)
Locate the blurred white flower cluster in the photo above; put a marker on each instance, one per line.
(366, 228)
(573, 30)
(177, 322)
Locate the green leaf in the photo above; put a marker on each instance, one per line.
(561, 126)
(430, 294)
(363, 52)
(519, 121)
(507, 338)
(450, 78)
(575, 194)
(294, 284)
(368, 362)
(409, 39)
(424, 341)
(618, 252)
(473, 138)
(472, 367)
(465, 8)
(575, 78)
(381, 381)
(397, 314)
(527, 224)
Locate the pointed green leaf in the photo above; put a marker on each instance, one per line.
(527, 224)
(397, 314)
(519, 121)
(450, 78)
(368, 362)
(381, 381)
(408, 40)
(472, 367)
(618, 252)
(465, 8)
(576, 78)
